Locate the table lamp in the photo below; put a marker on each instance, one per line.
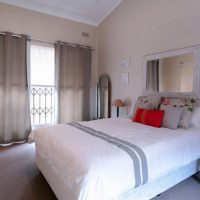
(118, 103)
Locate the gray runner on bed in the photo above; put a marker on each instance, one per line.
(136, 153)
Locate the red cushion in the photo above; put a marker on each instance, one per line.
(149, 117)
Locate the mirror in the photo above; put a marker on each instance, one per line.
(173, 72)
(104, 97)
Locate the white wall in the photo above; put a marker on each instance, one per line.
(141, 27)
(43, 26)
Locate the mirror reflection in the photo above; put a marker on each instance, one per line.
(103, 97)
(171, 74)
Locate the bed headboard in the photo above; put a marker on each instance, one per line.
(155, 100)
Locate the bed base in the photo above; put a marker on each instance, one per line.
(55, 180)
(160, 185)
(144, 192)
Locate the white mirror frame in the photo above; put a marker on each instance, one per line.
(196, 71)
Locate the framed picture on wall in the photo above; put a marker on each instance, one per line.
(125, 78)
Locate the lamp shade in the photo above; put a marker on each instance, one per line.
(118, 103)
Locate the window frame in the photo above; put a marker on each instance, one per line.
(54, 105)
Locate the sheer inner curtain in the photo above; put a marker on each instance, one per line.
(14, 100)
(73, 64)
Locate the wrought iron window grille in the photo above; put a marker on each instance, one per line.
(42, 106)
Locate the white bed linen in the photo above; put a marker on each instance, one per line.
(144, 192)
(95, 169)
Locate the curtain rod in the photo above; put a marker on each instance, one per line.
(51, 42)
(14, 35)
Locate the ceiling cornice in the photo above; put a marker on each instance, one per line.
(91, 12)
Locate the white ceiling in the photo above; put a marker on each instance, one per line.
(87, 11)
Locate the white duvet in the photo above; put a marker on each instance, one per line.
(96, 169)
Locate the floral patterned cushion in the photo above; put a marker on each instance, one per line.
(152, 100)
(142, 99)
(188, 103)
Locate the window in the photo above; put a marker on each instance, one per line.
(42, 84)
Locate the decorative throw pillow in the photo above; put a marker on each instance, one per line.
(153, 100)
(149, 117)
(172, 116)
(195, 119)
(142, 99)
(187, 103)
(185, 119)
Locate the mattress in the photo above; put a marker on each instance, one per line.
(96, 161)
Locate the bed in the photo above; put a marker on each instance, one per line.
(114, 159)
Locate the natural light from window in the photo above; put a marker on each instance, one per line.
(42, 91)
(42, 65)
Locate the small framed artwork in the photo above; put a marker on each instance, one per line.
(125, 78)
(125, 62)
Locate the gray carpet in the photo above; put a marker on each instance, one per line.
(19, 177)
(21, 180)
(186, 190)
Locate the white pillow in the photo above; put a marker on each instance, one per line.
(185, 119)
(172, 116)
(195, 120)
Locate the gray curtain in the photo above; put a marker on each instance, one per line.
(14, 100)
(153, 76)
(74, 74)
